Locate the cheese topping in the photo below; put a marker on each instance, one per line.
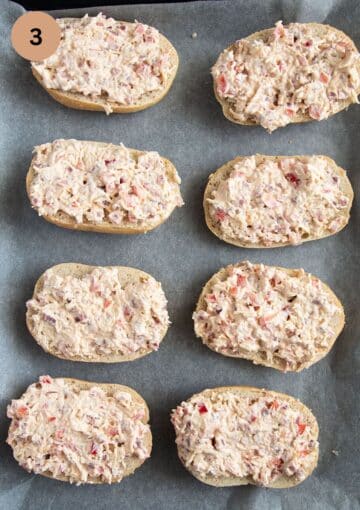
(257, 310)
(286, 201)
(84, 435)
(98, 183)
(229, 435)
(294, 71)
(98, 314)
(106, 59)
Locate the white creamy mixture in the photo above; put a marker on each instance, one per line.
(100, 57)
(98, 315)
(284, 201)
(84, 435)
(102, 183)
(257, 309)
(293, 72)
(228, 435)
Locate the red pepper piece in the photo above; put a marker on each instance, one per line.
(315, 111)
(278, 463)
(272, 405)
(202, 409)
(324, 78)
(301, 426)
(211, 298)
(108, 161)
(112, 431)
(222, 84)
(262, 322)
(220, 215)
(107, 303)
(272, 282)
(140, 29)
(94, 449)
(279, 31)
(46, 379)
(233, 291)
(22, 411)
(292, 178)
(241, 280)
(127, 312)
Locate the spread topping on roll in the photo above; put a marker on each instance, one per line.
(100, 57)
(97, 314)
(225, 434)
(84, 435)
(286, 200)
(256, 310)
(97, 183)
(296, 71)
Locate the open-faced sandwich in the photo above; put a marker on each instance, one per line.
(78, 431)
(97, 314)
(273, 201)
(287, 74)
(237, 435)
(281, 318)
(108, 65)
(101, 187)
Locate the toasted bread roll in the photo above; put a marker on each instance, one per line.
(280, 318)
(108, 65)
(238, 435)
(101, 187)
(97, 314)
(78, 431)
(287, 74)
(273, 201)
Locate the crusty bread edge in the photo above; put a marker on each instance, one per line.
(282, 482)
(256, 358)
(81, 102)
(110, 389)
(223, 172)
(299, 118)
(77, 269)
(65, 221)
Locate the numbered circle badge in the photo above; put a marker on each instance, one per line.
(35, 35)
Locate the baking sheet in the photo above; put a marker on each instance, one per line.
(188, 128)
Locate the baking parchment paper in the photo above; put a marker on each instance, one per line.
(188, 128)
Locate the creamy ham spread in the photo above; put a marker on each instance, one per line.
(229, 435)
(288, 200)
(112, 60)
(293, 72)
(98, 314)
(84, 435)
(256, 310)
(96, 183)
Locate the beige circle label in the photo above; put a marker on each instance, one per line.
(35, 35)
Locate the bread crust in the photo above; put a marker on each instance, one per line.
(110, 389)
(81, 102)
(224, 171)
(319, 29)
(63, 220)
(249, 391)
(126, 274)
(256, 358)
